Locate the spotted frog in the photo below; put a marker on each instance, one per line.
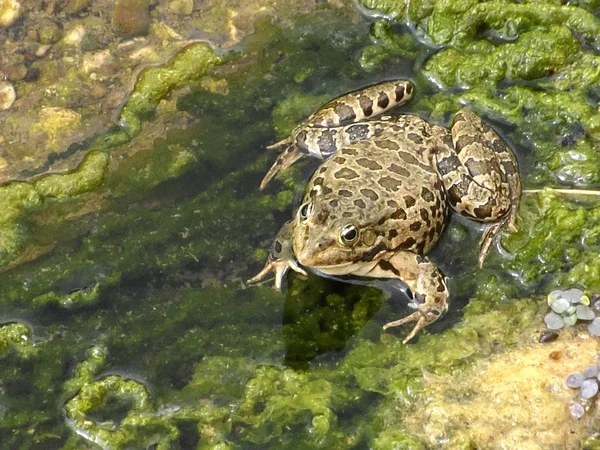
(382, 197)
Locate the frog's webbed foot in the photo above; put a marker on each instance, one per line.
(490, 235)
(285, 159)
(425, 316)
(281, 258)
(279, 267)
(426, 282)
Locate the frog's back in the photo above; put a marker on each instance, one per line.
(387, 184)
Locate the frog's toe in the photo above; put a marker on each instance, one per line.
(279, 268)
(285, 159)
(424, 317)
(277, 145)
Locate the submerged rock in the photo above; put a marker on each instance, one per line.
(9, 12)
(131, 17)
(8, 95)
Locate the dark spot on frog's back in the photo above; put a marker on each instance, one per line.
(409, 88)
(383, 100)
(427, 195)
(334, 203)
(425, 216)
(349, 151)
(344, 112)
(318, 181)
(415, 226)
(366, 105)
(387, 144)
(360, 203)
(409, 201)
(368, 163)
(399, 214)
(339, 160)
(344, 193)
(345, 173)
(399, 170)
(416, 138)
(370, 194)
(392, 234)
(390, 184)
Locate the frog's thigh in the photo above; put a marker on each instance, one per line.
(424, 279)
(471, 171)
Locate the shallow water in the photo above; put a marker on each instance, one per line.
(144, 279)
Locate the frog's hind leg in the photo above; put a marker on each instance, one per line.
(362, 104)
(480, 176)
(426, 282)
(339, 122)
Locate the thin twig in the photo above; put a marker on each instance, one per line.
(563, 191)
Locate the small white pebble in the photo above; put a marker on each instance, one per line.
(570, 320)
(553, 296)
(573, 296)
(575, 380)
(577, 410)
(554, 321)
(594, 327)
(590, 372)
(560, 305)
(589, 388)
(8, 95)
(585, 313)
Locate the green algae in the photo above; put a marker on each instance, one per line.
(214, 350)
(154, 83)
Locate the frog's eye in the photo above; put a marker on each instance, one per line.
(305, 211)
(348, 235)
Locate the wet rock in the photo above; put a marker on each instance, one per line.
(577, 410)
(9, 12)
(16, 72)
(589, 388)
(594, 327)
(75, 35)
(75, 6)
(575, 380)
(182, 7)
(8, 95)
(554, 321)
(585, 313)
(590, 372)
(131, 17)
(49, 32)
(560, 305)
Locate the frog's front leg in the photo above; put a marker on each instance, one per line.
(323, 133)
(281, 258)
(480, 175)
(426, 282)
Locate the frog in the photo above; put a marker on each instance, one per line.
(385, 191)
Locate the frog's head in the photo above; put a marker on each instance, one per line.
(333, 234)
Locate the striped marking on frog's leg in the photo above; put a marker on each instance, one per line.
(362, 104)
(426, 282)
(480, 175)
(285, 159)
(321, 143)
